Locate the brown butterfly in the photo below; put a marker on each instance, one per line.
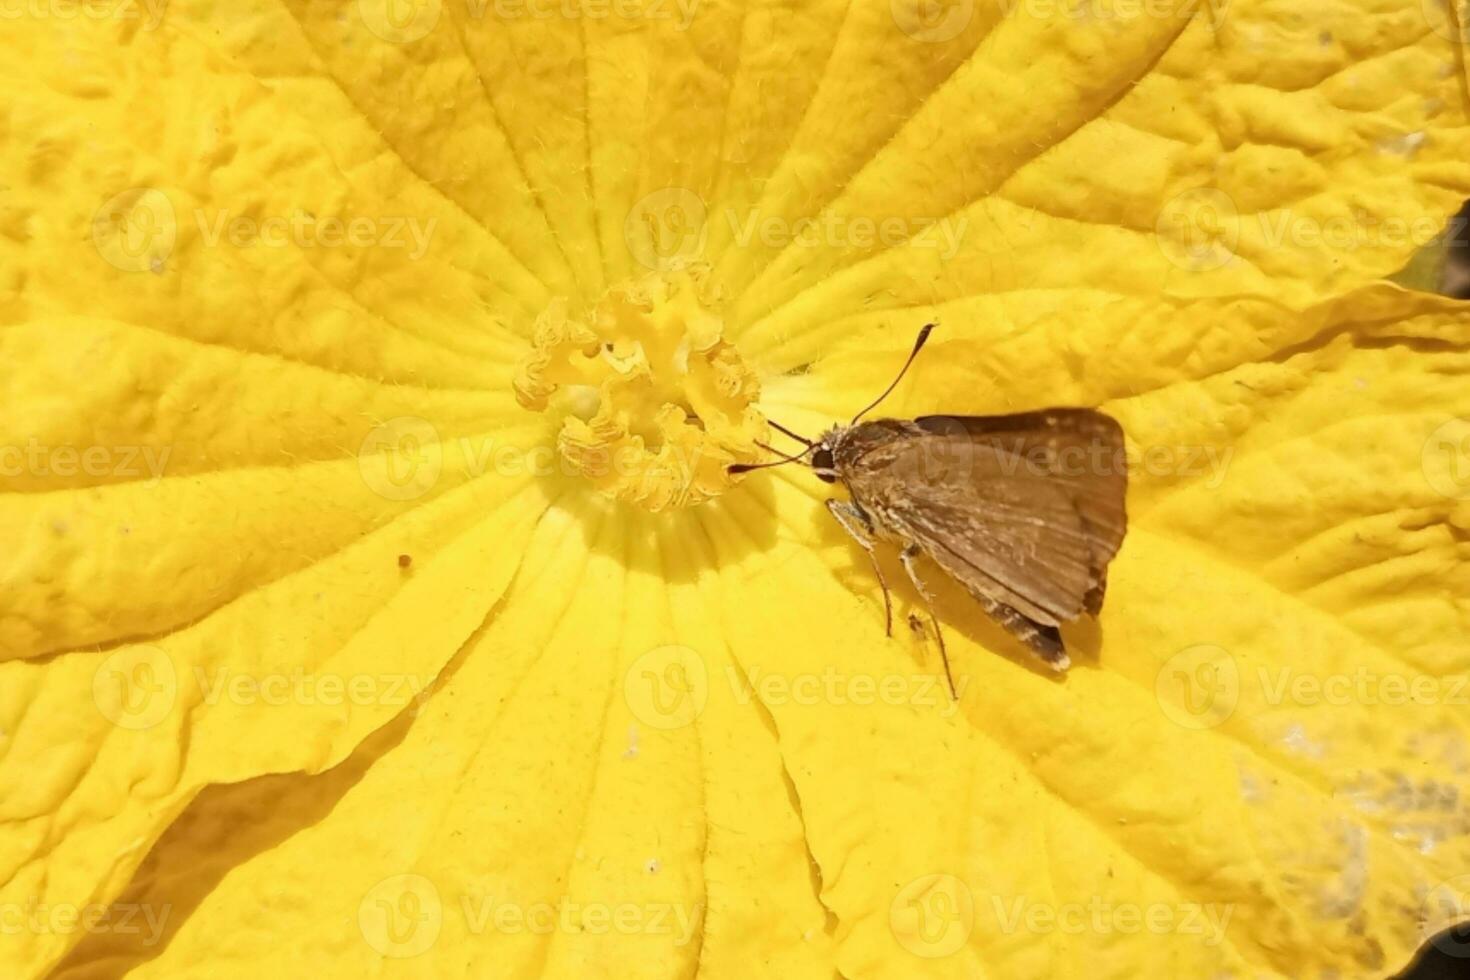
(1025, 511)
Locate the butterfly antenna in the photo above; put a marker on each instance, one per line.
(785, 431)
(747, 467)
(918, 346)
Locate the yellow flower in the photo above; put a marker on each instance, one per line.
(375, 600)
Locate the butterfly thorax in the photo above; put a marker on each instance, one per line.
(847, 453)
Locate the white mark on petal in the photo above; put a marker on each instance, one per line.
(1403, 146)
(1251, 789)
(1296, 740)
(1343, 899)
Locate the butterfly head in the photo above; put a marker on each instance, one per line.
(824, 462)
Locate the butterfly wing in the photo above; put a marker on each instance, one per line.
(1024, 510)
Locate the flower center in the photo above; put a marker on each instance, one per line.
(655, 404)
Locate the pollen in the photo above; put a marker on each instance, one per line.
(655, 404)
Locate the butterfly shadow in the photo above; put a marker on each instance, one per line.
(678, 543)
(956, 611)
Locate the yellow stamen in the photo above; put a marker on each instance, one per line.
(656, 404)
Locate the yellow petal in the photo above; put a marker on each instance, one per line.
(669, 840)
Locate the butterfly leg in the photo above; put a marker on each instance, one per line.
(909, 556)
(855, 522)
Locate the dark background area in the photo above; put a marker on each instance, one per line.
(1457, 261)
(1446, 957)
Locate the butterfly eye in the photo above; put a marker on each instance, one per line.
(826, 477)
(822, 460)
